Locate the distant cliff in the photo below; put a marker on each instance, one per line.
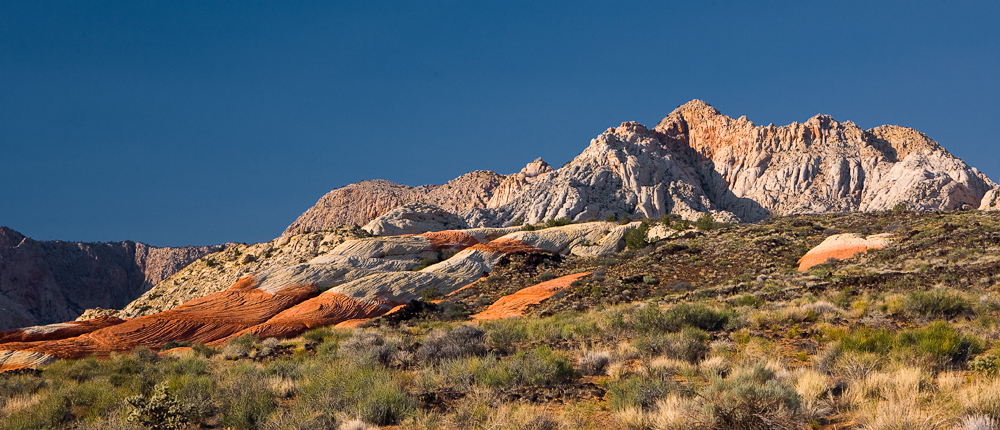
(43, 282)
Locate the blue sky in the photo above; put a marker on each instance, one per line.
(202, 122)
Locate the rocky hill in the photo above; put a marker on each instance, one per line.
(694, 161)
(44, 282)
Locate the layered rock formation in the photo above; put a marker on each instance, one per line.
(414, 218)
(44, 282)
(359, 278)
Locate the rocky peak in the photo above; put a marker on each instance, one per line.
(898, 142)
(536, 168)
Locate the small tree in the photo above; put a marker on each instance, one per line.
(705, 222)
(636, 238)
(611, 218)
(899, 208)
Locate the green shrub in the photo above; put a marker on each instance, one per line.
(529, 227)
(428, 294)
(899, 208)
(175, 344)
(705, 222)
(639, 391)
(942, 342)
(746, 300)
(517, 222)
(558, 222)
(752, 398)
(540, 366)
(462, 341)
(650, 318)
(504, 334)
(160, 410)
(611, 218)
(986, 364)
(688, 345)
(682, 224)
(204, 350)
(938, 303)
(245, 398)
(370, 392)
(636, 238)
(625, 219)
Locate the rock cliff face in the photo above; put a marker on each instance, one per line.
(697, 160)
(694, 161)
(44, 282)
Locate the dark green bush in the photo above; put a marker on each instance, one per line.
(504, 334)
(942, 342)
(636, 238)
(611, 218)
(558, 222)
(705, 222)
(540, 366)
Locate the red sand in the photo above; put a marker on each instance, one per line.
(516, 304)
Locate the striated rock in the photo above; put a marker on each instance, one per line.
(517, 304)
(218, 271)
(842, 246)
(44, 282)
(414, 218)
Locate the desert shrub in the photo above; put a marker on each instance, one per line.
(196, 393)
(317, 335)
(540, 366)
(611, 218)
(558, 222)
(942, 342)
(50, 412)
(705, 222)
(245, 398)
(430, 293)
(529, 227)
(517, 222)
(368, 347)
(649, 280)
(160, 410)
(363, 390)
(688, 345)
(636, 238)
(746, 300)
(650, 318)
(464, 340)
(239, 346)
(505, 333)
(545, 276)
(681, 225)
(175, 344)
(639, 391)
(563, 325)
(204, 350)
(593, 362)
(939, 303)
(986, 364)
(625, 219)
(752, 398)
(938, 340)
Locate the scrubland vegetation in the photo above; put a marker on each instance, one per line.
(717, 330)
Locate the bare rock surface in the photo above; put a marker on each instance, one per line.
(843, 246)
(414, 218)
(43, 282)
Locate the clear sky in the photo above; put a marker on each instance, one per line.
(203, 122)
